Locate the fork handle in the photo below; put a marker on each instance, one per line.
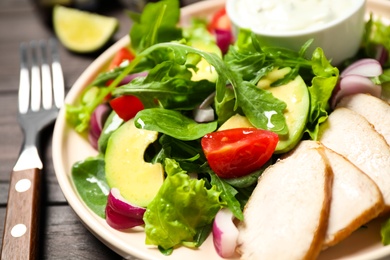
(20, 239)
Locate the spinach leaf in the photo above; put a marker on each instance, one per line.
(112, 123)
(172, 123)
(157, 23)
(202, 234)
(90, 181)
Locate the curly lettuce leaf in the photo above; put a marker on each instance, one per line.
(182, 207)
(324, 80)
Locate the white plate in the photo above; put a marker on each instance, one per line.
(69, 147)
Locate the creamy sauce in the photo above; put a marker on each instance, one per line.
(290, 15)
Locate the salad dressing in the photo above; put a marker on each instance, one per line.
(290, 15)
(269, 114)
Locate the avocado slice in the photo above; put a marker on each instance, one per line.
(138, 181)
(204, 69)
(296, 95)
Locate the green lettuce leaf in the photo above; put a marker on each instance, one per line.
(323, 83)
(157, 23)
(182, 207)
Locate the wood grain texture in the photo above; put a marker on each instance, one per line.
(62, 235)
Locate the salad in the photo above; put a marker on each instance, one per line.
(186, 119)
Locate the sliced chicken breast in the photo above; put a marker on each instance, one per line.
(287, 215)
(356, 199)
(374, 109)
(351, 135)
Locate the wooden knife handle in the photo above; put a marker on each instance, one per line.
(20, 238)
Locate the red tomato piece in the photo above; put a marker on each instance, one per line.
(126, 106)
(237, 152)
(122, 55)
(220, 21)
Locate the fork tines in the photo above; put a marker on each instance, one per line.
(47, 81)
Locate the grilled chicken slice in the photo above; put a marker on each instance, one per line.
(356, 199)
(351, 135)
(374, 109)
(287, 215)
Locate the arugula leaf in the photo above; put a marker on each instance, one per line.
(261, 105)
(168, 85)
(79, 115)
(172, 123)
(90, 181)
(252, 61)
(181, 208)
(228, 193)
(246, 95)
(157, 23)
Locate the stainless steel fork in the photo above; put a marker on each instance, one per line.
(41, 94)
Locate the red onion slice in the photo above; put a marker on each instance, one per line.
(382, 55)
(224, 39)
(353, 84)
(120, 205)
(202, 115)
(130, 77)
(98, 118)
(121, 214)
(364, 67)
(119, 221)
(225, 233)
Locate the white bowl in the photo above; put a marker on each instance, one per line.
(339, 37)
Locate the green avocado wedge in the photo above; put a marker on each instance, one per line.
(296, 95)
(138, 181)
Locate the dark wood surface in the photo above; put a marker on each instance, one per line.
(62, 235)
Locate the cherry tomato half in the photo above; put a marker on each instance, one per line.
(220, 21)
(122, 55)
(126, 106)
(237, 152)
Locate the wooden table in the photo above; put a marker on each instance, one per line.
(63, 236)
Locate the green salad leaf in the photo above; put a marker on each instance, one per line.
(90, 181)
(173, 123)
(157, 23)
(255, 103)
(252, 61)
(377, 33)
(168, 85)
(385, 232)
(181, 208)
(323, 83)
